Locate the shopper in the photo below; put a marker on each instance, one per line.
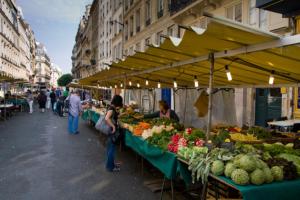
(60, 105)
(29, 98)
(48, 99)
(75, 109)
(111, 119)
(42, 100)
(66, 92)
(53, 99)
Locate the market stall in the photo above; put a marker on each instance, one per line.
(229, 55)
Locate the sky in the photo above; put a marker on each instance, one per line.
(55, 24)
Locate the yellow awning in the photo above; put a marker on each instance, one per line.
(251, 55)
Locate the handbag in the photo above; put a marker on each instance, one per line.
(102, 126)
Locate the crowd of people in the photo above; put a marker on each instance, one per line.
(51, 100)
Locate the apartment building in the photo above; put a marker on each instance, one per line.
(56, 73)
(117, 25)
(43, 67)
(82, 48)
(9, 36)
(17, 47)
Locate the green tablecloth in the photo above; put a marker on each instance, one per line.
(165, 161)
(287, 190)
(17, 101)
(90, 115)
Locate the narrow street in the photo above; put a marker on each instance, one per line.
(39, 160)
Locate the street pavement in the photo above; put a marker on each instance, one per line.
(39, 160)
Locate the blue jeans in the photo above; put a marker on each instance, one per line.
(73, 123)
(110, 162)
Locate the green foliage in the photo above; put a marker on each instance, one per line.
(161, 140)
(196, 134)
(219, 138)
(260, 132)
(65, 79)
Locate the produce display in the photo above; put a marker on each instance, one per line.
(239, 154)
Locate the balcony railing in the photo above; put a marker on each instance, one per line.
(177, 5)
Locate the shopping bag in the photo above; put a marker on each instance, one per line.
(55, 106)
(102, 126)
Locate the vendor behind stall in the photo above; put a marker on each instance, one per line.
(164, 112)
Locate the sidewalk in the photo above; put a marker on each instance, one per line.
(39, 160)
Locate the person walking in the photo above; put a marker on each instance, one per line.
(111, 119)
(29, 98)
(53, 99)
(75, 109)
(48, 99)
(42, 100)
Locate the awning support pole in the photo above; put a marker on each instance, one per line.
(211, 79)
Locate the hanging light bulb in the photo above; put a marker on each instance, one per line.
(158, 85)
(175, 84)
(110, 87)
(138, 85)
(121, 85)
(116, 86)
(130, 83)
(271, 78)
(196, 82)
(147, 82)
(228, 74)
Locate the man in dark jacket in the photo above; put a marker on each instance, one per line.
(53, 99)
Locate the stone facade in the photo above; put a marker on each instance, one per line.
(42, 67)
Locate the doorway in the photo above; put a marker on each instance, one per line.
(268, 105)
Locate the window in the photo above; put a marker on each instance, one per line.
(138, 20)
(234, 12)
(131, 26)
(148, 12)
(121, 21)
(160, 8)
(126, 30)
(159, 39)
(126, 4)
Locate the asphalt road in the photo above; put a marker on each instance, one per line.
(39, 160)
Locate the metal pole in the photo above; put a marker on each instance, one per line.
(211, 77)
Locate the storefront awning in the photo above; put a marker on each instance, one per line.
(252, 55)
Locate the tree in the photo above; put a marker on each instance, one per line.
(64, 80)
